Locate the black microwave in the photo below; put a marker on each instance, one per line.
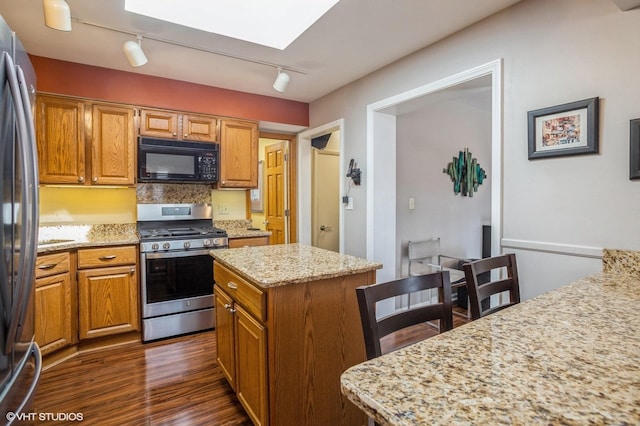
(166, 160)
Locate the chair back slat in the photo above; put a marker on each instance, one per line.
(375, 328)
(479, 289)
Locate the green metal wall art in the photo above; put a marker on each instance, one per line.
(466, 173)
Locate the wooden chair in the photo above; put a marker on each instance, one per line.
(375, 328)
(480, 289)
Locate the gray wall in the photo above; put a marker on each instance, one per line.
(557, 212)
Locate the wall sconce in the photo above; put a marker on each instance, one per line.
(282, 81)
(134, 53)
(353, 172)
(57, 14)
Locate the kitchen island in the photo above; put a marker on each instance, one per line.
(569, 356)
(287, 326)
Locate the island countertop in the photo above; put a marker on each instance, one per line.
(283, 264)
(569, 356)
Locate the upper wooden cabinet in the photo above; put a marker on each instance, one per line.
(238, 154)
(84, 143)
(113, 145)
(60, 135)
(174, 125)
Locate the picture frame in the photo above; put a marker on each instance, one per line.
(567, 129)
(634, 149)
(255, 195)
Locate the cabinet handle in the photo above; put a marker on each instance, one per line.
(133, 271)
(175, 134)
(47, 266)
(186, 135)
(95, 179)
(232, 285)
(80, 179)
(229, 307)
(109, 257)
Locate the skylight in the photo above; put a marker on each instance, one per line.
(273, 23)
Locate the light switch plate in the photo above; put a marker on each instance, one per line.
(350, 204)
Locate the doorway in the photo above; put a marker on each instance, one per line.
(325, 220)
(383, 247)
(273, 205)
(305, 181)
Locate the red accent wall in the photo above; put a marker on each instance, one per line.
(69, 78)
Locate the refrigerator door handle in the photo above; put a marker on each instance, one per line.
(14, 88)
(30, 185)
(31, 392)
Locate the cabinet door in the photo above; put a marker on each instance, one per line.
(160, 124)
(224, 336)
(61, 139)
(251, 356)
(107, 301)
(113, 146)
(199, 128)
(53, 308)
(238, 154)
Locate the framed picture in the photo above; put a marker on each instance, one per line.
(569, 129)
(634, 149)
(256, 194)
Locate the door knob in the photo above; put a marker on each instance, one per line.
(325, 228)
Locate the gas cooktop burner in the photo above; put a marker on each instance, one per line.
(163, 232)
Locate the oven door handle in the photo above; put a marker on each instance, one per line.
(174, 254)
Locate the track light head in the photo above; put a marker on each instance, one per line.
(282, 81)
(134, 53)
(57, 14)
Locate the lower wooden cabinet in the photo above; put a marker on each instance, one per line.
(107, 296)
(242, 343)
(54, 303)
(84, 294)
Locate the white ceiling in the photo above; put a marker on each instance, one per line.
(353, 39)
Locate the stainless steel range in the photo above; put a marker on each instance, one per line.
(176, 268)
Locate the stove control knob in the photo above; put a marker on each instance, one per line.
(206, 243)
(187, 244)
(166, 246)
(155, 246)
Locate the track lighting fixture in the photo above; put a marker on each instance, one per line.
(57, 14)
(134, 53)
(282, 81)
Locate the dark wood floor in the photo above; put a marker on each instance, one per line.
(170, 382)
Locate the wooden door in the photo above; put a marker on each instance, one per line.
(238, 154)
(225, 342)
(251, 380)
(60, 136)
(53, 308)
(113, 145)
(199, 128)
(159, 124)
(275, 194)
(325, 199)
(108, 301)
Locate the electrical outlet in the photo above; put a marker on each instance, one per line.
(223, 209)
(412, 203)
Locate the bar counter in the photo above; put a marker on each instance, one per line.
(570, 356)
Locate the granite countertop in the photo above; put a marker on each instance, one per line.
(569, 356)
(240, 228)
(283, 264)
(65, 237)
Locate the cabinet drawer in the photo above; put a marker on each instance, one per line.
(51, 264)
(248, 242)
(248, 296)
(107, 256)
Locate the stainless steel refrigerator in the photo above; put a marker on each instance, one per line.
(20, 359)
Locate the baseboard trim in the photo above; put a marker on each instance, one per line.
(564, 249)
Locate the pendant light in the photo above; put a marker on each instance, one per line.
(57, 14)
